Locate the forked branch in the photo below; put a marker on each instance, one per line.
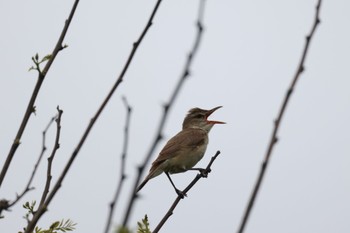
(31, 107)
(6, 204)
(93, 120)
(42, 206)
(52, 156)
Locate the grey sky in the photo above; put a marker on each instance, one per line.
(247, 58)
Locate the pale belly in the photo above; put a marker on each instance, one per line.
(185, 161)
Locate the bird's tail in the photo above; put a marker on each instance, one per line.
(154, 171)
(142, 184)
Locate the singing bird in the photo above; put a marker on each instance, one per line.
(183, 151)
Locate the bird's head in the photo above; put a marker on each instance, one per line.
(198, 118)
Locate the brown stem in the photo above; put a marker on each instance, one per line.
(277, 122)
(185, 74)
(30, 107)
(51, 157)
(28, 186)
(42, 206)
(122, 170)
(202, 174)
(86, 133)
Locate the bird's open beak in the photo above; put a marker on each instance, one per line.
(210, 112)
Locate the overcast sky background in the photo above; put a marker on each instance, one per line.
(248, 56)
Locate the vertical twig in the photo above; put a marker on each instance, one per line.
(203, 174)
(277, 122)
(30, 107)
(31, 224)
(122, 167)
(51, 157)
(185, 74)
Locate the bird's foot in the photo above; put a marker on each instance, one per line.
(204, 172)
(181, 194)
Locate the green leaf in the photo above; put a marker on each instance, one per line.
(144, 226)
(47, 57)
(26, 205)
(54, 225)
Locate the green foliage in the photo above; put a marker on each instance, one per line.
(30, 210)
(56, 227)
(37, 61)
(143, 227)
(123, 229)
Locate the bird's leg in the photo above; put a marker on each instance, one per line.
(180, 193)
(204, 172)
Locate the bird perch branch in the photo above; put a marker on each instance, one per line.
(93, 120)
(185, 74)
(200, 175)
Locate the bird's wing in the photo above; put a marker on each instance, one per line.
(184, 139)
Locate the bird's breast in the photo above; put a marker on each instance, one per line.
(187, 158)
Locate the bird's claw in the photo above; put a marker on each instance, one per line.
(204, 172)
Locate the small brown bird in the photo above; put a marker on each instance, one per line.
(185, 149)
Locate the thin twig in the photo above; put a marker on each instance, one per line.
(32, 223)
(29, 183)
(202, 174)
(51, 157)
(277, 122)
(184, 75)
(122, 167)
(60, 179)
(31, 107)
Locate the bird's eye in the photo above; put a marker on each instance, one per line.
(198, 116)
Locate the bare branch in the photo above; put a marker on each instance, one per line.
(31, 107)
(43, 149)
(185, 74)
(58, 183)
(53, 153)
(32, 223)
(203, 174)
(277, 122)
(122, 169)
